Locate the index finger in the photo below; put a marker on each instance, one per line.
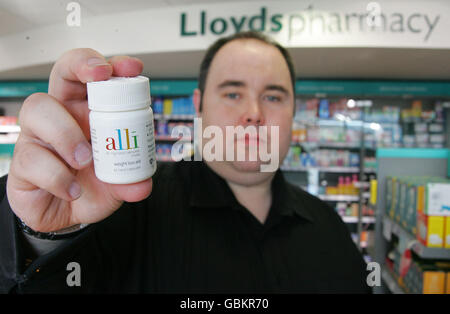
(73, 69)
(79, 66)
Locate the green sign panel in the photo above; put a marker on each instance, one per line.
(22, 88)
(305, 87)
(373, 88)
(172, 87)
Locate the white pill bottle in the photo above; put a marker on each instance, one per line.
(122, 132)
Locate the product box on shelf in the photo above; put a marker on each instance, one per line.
(410, 216)
(430, 230)
(447, 233)
(422, 139)
(401, 202)
(408, 195)
(167, 106)
(407, 206)
(436, 128)
(395, 200)
(396, 264)
(437, 199)
(298, 132)
(433, 282)
(391, 136)
(420, 128)
(389, 196)
(8, 120)
(157, 104)
(415, 200)
(373, 191)
(437, 138)
(447, 284)
(425, 277)
(443, 267)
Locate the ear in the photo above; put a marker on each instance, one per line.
(197, 99)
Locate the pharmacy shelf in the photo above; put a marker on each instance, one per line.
(361, 185)
(431, 253)
(9, 138)
(9, 129)
(168, 158)
(353, 219)
(339, 198)
(342, 197)
(343, 145)
(390, 281)
(170, 139)
(362, 245)
(366, 195)
(336, 122)
(185, 117)
(390, 226)
(164, 159)
(327, 169)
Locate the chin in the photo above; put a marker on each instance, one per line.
(247, 166)
(241, 172)
(248, 173)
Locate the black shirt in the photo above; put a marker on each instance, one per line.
(192, 236)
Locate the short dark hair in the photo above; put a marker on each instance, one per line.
(215, 47)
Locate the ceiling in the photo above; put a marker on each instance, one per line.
(329, 63)
(363, 63)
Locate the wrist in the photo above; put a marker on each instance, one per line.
(52, 235)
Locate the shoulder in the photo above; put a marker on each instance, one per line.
(165, 170)
(171, 175)
(332, 242)
(320, 211)
(171, 170)
(329, 228)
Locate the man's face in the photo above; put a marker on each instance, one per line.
(248, 84)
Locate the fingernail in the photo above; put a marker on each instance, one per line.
(75, 190)
(95, 62)
(83, 154)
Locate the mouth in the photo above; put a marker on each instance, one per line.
(250, 140)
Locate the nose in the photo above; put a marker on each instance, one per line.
(252, 115)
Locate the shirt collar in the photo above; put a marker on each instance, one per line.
(289, 199)
(209, 190)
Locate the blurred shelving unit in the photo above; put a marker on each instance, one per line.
(180, 117)
(390, 226)
(335, 169)
(391, 281)
(391, 238)
(340, 125)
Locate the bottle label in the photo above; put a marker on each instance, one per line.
(123, 153)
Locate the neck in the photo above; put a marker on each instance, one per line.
(256, 198)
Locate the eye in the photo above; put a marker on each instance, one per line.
(273, 98)
(233, 96)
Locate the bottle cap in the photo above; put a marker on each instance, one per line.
(119, 94)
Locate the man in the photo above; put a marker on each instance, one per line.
(196, 227)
